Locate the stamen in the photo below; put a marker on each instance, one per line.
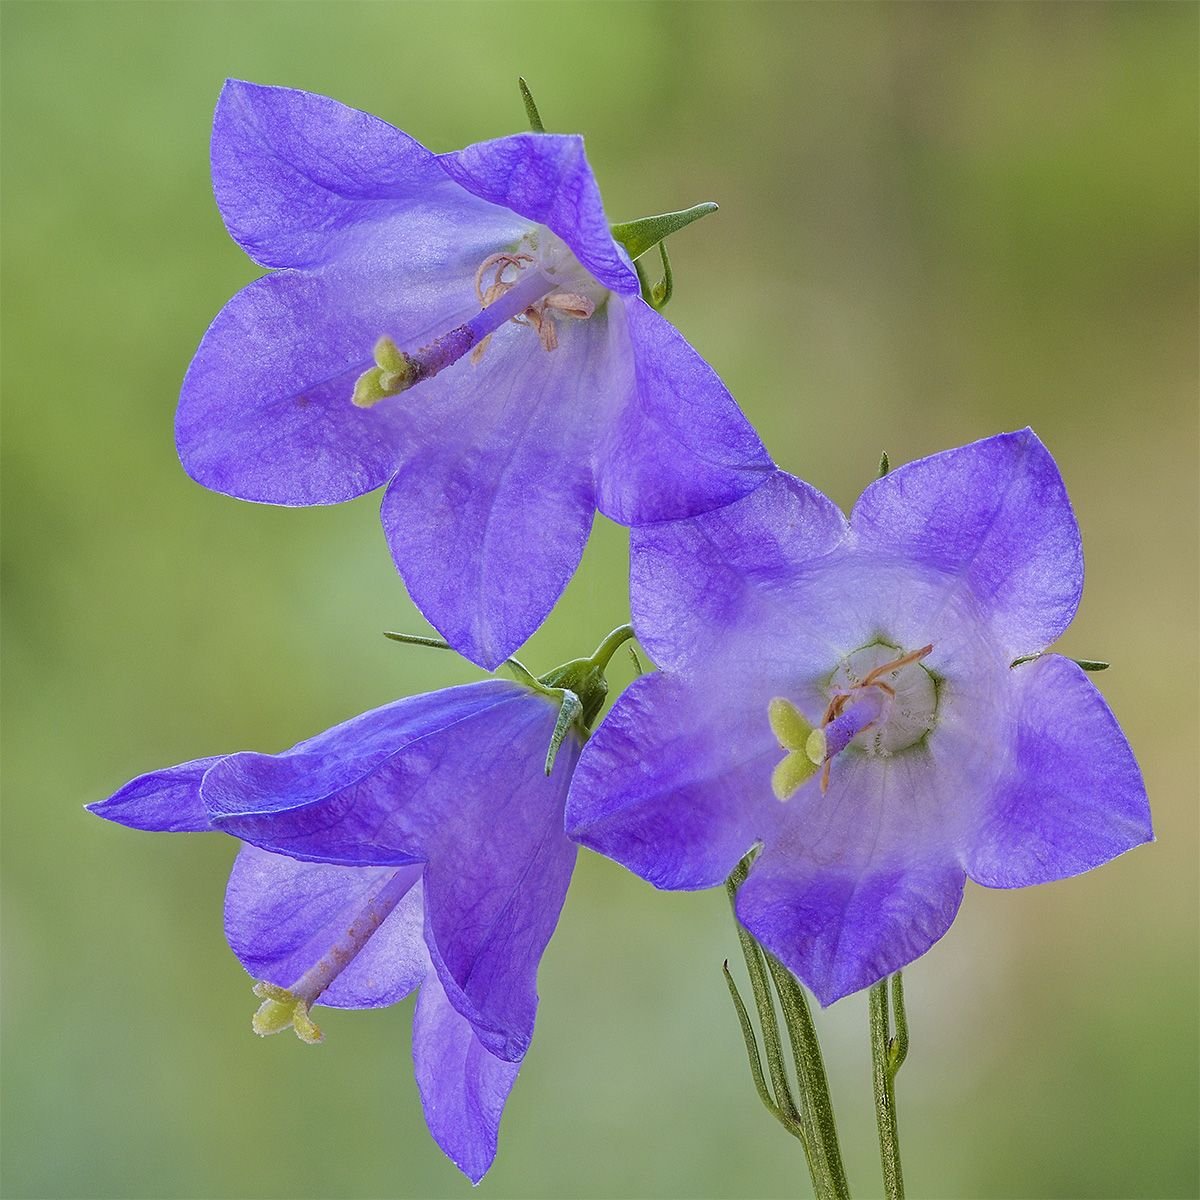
(284, 1007)
(526, 298)
(852, 712)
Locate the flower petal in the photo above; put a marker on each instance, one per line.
(463, 1087)
(1074, 798)
(282, 917)
(675, 784)
(546, 178)
(341, 796)
(292, 170)
(489, 513)
(166, 801)
(862, 878)
(676, 444)
(265, 412)
(698, 585)
(462, 789)
(498, 869)
(994, 517)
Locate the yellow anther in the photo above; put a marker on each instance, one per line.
(368, 388)
(391, 375)
(280, 1010)
(388, 356)
(816, 747)
(787, 724)
(790, 774)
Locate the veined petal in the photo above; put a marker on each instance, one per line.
(490, 510)
(265, 412)
(498, 869)
(676, 444)
(995, 518)
(675, 784)
(699, 584)
(463, 1087)
(282, 917)
(166, 801)
(456, 781)
(1074, 797)
(345, 795)
(292, 170)
(862, 879)
(546, 178)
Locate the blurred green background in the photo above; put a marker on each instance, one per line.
(937, 222)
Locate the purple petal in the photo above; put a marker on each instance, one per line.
(1075, 796)
(546, 178)
(265, 413)
(488, 516)
(677, 444)
(994, 517)
(694, 585)
(455, 780)
(463, 1087)
(166, 801)
(498, 868)
(292, 170)
(675, 783)
(342, 796)
(282, 917)
(862, 878)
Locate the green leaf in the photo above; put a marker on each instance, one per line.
(645, 233)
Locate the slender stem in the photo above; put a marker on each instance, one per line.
(811, 1118)
(772, 1043)
(886, 1058)
(814, 1085)
(609, 646)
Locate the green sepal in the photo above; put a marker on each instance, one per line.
(568, 713)
(646, 232)
(531, 109)
(1084, 664)
(884, 464)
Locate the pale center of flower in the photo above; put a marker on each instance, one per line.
(284, 1007)
(894, 688)
(536, 284)
(881, 700)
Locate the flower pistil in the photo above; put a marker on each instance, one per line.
(536, 296)
(283, 1007)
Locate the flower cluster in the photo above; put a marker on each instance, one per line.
(865, 707)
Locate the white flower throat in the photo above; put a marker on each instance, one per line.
(536, 284)
(881, 700)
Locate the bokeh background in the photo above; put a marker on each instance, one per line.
(938, 222)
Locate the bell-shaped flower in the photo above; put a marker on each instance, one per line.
(420, 844)
(870, 702)
(461, 328)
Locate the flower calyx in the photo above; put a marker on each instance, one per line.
(579, 687)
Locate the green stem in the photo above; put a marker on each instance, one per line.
(783, 1107)
(610, 645)
(814, 1084)
(886, 1057)
(811, 1119)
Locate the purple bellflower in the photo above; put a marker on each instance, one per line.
(460, 327)
(870, 702)
(420, 844)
